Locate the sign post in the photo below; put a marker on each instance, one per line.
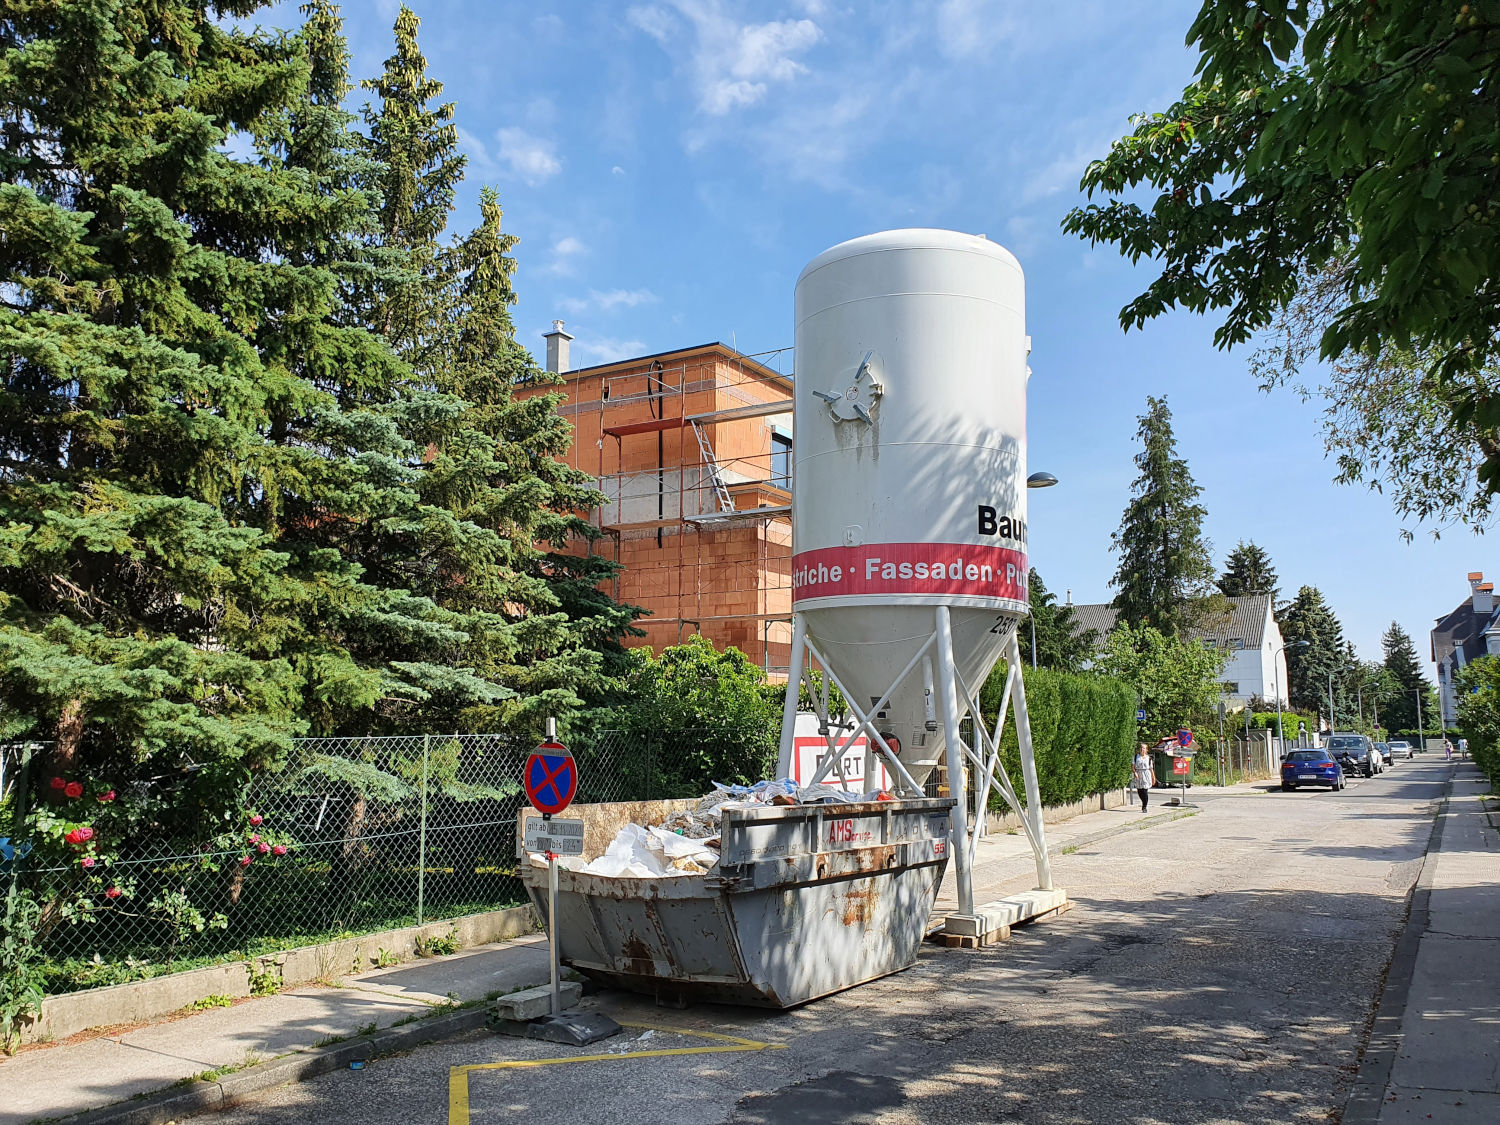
(1182, 762)
(550, 778)
(551, 781)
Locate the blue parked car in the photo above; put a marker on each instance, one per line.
(1311, 767)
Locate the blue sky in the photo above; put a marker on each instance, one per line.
(670, 166)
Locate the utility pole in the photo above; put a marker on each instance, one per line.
(1332, 726)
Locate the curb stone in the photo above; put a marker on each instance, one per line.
(174, 1104)
(1367, 1095)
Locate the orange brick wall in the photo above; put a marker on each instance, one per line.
(731, 581)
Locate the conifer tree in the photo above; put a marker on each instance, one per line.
(222, 491)
(1248, 570)
(537, 623)
(1060, 643)
(1309, 618)
(173, 365)
(1165, 570)
(1404, 672)
(414, 173)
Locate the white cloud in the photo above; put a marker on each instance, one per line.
(531, 158)
(654, 21)
(604, 349)
(565, 252)
(733, 63)
(972, 28)
(1064, 170)
(617, 171)
(608, 301)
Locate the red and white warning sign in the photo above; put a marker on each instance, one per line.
(809, 748)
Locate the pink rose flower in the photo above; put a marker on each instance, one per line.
(279, 849)
(104, 798)
(257, 820)
(73, 789)
(244, 861)
(59, 783)
(79, 835)
(113, 892)
(254, 837)
(263, 848)
(87, 861)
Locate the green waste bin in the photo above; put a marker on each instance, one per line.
(1161, 762)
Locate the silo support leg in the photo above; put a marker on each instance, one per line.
(954, 756)
(1028, 773)
(793, 690)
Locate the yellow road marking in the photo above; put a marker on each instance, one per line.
(458, 1076)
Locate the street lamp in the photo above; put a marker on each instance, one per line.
(1421, 730)
(1036, 480)
(1276, 689)
(1332, 726)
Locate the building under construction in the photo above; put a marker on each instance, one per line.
(693, 450)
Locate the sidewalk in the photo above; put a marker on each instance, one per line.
(1446, 1064)
(70, 1077)
(86, 1073)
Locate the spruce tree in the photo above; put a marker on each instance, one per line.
(1060, 643)
(536, 622)
(1165, 570)
(1248, 570)
(1309, 618)
(1404, 671)
(181, 466)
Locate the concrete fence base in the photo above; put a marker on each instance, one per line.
(143, 1000)
(1004, 821)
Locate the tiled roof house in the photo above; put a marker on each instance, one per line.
(1248, 633)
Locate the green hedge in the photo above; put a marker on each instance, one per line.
(1082, 729)
(1266, 720)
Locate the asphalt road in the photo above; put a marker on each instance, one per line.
(1219, 968)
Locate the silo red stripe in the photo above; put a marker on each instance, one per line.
(910, 568)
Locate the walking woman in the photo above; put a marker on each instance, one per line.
(1145, 776)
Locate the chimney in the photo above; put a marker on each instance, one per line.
(1070, 597)
(1484, 598)
(1475, 578)
(557, 348)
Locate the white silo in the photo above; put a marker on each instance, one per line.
(909, 486)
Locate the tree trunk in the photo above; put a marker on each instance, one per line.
(69, 736)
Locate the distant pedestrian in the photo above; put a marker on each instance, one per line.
(1463, 748)
(1447, 750)
(1145, 776)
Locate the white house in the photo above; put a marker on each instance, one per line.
(1248, 633)
(1470, 631)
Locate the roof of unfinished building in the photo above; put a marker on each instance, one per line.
(712, 346)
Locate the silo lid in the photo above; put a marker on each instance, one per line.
(910, 238)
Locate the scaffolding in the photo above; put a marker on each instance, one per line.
(692, 450)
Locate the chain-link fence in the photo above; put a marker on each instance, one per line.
(1236, 760)
(351, 835)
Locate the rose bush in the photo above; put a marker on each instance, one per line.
(89, 848)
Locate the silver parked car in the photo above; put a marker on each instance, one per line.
(1402, 749)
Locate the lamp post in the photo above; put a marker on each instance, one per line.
(1036, 480)
(1276, 690)
(1331, 723)
(1421, 730)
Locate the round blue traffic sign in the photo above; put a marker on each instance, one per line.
(551, 778)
